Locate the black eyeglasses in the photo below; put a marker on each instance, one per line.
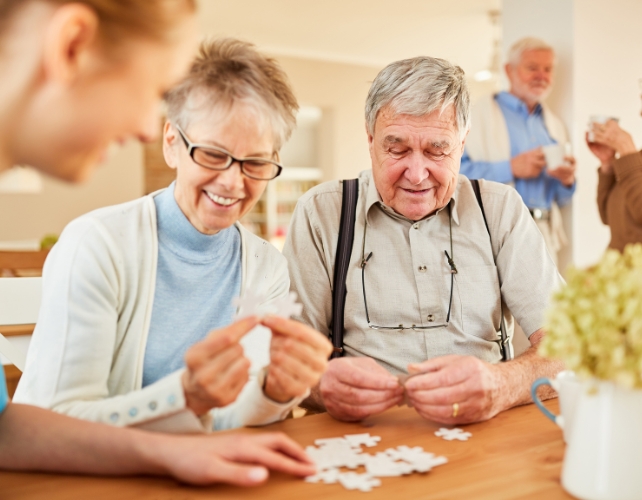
(453, 271)
(218, 159)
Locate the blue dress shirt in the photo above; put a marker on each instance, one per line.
(526, 131)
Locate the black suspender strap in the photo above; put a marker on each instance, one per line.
(503, 341)
(342, 261)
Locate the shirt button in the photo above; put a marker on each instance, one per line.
(431, 318)
(133, 412)
(422, 269)
(415, 226)
(152, 405)
(114, 417)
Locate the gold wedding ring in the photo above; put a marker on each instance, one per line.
(455, 409)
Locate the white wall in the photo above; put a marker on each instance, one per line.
(599, 44)
(31, 216)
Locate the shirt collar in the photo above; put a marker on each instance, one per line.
(373, 199)
(514, 103)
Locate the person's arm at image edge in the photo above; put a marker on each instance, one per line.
(38, 440)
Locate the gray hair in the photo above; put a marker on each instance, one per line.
(524, 45)
(418, 87)
(227, 72)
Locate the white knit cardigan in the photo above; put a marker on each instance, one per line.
(86, 355)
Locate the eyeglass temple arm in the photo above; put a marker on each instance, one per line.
(364, 261)
(180, 132)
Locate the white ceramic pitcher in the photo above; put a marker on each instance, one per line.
(603, 459)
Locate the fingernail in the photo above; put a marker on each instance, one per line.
(257, 474)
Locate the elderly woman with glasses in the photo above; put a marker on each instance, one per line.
(137, 322)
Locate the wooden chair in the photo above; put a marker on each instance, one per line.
(22, 263)
(19, 306)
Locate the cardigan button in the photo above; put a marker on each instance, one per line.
(133, 412)
(171, 399)
(114, 417)
(152, 405)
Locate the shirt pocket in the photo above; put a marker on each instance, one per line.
(479, 297)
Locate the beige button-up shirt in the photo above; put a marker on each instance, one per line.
(408, 279)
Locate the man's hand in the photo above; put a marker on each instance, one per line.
(355, 388)
(529, 164)
(471, 383)
(239, 459)
(564, 173)
(298, 357)
(217, 369)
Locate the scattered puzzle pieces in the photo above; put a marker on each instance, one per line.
(420, 460)
(358, 440)
(452, 434)
(329, 476)
(381, 465)
(354, 481)
(330, 454)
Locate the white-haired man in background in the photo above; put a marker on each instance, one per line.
(508, 131)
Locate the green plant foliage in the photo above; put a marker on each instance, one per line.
(48, 241)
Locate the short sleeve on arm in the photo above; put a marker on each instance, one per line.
(4, 396)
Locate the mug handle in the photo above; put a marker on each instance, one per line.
(557, 419)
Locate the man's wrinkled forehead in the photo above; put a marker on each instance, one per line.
(397, 128)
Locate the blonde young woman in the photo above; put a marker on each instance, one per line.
(75, 77)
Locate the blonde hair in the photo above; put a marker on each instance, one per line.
(120, 19)
(524, 45)
(228, 72)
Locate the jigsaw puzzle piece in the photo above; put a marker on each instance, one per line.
(362, 482)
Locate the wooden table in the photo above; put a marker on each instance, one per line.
(518, 454)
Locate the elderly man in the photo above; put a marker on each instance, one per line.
(508, 131)
(423, 290)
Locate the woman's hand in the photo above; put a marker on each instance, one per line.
(612, 135)
(604, 153)
(298, 357)
(217, 369)
(241, 459)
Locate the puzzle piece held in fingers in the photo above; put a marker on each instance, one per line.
(286, 307)
(249, 305)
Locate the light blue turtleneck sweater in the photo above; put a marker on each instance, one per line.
(198, 275)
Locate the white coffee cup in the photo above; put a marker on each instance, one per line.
(554, 154)
(567, 386)
(600, 119)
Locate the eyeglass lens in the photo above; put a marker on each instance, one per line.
(219, 160)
